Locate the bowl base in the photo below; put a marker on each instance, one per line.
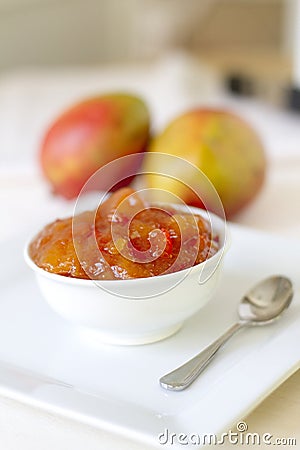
(121, 339)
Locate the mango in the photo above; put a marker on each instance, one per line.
(89, 135)
(219, 143)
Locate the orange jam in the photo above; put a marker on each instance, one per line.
(123, 239)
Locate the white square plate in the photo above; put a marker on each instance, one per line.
(51, 364)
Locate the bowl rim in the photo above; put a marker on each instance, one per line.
(91, 282)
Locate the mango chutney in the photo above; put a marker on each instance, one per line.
(124, 238)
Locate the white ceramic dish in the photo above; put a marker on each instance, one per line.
(49, 363)
(136, 311)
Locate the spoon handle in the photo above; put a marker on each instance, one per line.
(180, 378)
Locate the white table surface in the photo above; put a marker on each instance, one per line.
(28, 101)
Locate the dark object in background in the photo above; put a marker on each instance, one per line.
(293, 99)
(239, 85)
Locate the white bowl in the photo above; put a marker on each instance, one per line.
(136, 311)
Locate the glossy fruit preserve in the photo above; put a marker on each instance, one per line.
(124, 238)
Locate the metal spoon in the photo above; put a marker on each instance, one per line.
(264, 303)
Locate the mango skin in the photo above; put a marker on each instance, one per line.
(220, 144)
(89, 135)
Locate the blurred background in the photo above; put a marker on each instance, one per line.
(239, 54)
(47, 33)
(256, 38)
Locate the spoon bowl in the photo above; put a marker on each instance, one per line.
(266, 301)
